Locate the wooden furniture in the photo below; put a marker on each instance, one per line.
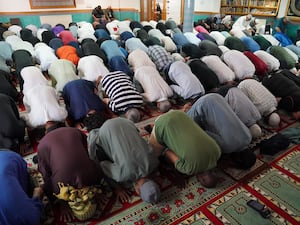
(255, 7)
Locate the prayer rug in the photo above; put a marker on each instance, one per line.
(194, 204)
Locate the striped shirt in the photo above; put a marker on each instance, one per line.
(121, 92)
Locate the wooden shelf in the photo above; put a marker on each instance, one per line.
(265, 8)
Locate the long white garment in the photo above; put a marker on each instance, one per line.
(223, 72)
(241, 23)
(220, 38)
(169, 44)
(32, 76)
(261, 97)
(63, 71)
(272, 62)
(42, 105)
(44, 55)
(91, 67)
(155, 87)
(186, 84)
(138, 58)
(240, 64)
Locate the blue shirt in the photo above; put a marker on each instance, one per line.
(15, 203)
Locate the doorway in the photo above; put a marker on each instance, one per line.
(169, 9)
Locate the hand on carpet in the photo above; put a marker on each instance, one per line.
(180, 180)
(123, 195)
(66, 213)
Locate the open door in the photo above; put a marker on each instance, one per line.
(168, 9)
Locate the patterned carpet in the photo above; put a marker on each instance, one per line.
(274, 181)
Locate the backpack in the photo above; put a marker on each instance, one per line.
(274, 144)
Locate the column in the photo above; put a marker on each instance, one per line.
(188, 17)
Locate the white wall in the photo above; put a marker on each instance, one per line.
(24, 5)
(207, 6)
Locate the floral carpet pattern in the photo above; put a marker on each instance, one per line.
(273, 180)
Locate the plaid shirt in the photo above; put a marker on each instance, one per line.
(160, 57)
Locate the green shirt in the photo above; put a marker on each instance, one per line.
(196, 150)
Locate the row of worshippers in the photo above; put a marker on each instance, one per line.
(65, 71)
(203, 111)
(248, 25)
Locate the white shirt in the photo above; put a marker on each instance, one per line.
(155, 87)
(187, 84)
(169, 44)
(44, 55)
(91, 67)
(32, 77)
(271, 61)
(261, 97)
(192, 38)
(85, 30)
(139, 58)
(241, 23)
(63, 71)
(220, 38)
(223, 72)
(240, 64)
(42, 105)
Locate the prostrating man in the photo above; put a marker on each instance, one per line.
(19, 204)
(184, 83)
(263, 99)
(85, 107)
(243, 108)
(155, 88)
(122, 96)
(61, 72)
(63, 160)
(283, 85)
(6, 85)
(125, 157)
(213, 114)
(42, 105)
(12, 129)
(188, 148)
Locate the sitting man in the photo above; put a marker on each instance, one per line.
(18, 199)
(98, 15)
(122, 96)
(186, 146)
(12, 129)
(124, 156)
(213, 114)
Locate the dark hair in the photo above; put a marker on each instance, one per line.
(94, 120)
(55, 125)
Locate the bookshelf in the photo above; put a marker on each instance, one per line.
(255, 7)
